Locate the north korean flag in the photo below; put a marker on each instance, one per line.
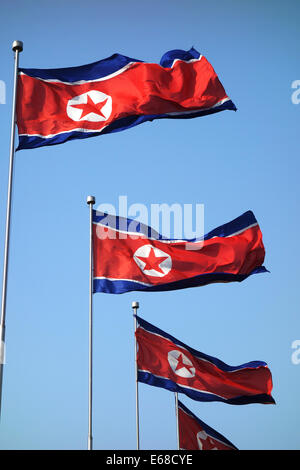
(194, 434)
(113, 94)
(164, 361)
(130, 256)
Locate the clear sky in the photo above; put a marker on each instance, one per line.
(230, 162)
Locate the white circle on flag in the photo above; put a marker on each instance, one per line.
(87, 107)
(152, 261)
(180, 364)
(202, 436)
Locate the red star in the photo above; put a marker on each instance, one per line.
(181, 364)
(90, 107)
(152, 262)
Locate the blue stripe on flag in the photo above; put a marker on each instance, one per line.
(134, 226)
(93, 71)
(120, 286)
(169, 57)
(104, 67)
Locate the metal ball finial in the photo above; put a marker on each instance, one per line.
(90, 200)
(17, 46)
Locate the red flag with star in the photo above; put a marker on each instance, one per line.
(164, 361)
(114, 94)
(131, 256)
(194, 434)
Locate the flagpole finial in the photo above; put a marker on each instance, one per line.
(90, 200)
(135, 305)
(17, 46)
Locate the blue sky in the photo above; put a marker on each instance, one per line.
(230, 162)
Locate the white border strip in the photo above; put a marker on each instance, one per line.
(49, 136)
(126, 280)
(177, 113)
(81, 82)
(142, 235)
(180, 385)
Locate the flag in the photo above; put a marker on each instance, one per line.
(164, 361)
(194, 434)
(56, 105)
(129, 256)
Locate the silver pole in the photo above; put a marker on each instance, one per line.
(17, 47)
(91, 201)
(135, 306)
(177, 419)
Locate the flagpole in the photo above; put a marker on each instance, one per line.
(91, 201)
(177, 419)
(17, 47)
(135, 306)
